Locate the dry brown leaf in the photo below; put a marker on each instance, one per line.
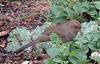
(2, 45)
(2, 33)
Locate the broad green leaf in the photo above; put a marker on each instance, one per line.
(67, 49)
(84, 48)
(53, 52)
(81, 56)
(74, 60)
(73, 53)
(55, 39)
(57, 59)
(59, 20)
(92, 12)
(84, 7)
(81, 7)
(97, 4)
(76, 7)
(99, 15)
(56, 10)
(91, 46)
(49, 61)
(70, 13)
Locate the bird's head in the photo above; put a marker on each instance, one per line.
(75, 25)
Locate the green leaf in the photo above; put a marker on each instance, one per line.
(97, 4)
(67, 49)
(53, 52)
(73, 53)
(49, 61)
(84, 48)
(81, 7)
(84, 7)
(78, 56)
(92, 12)
(81, 56)
(57, 59)
(76, 7)
(99, 15)
(56, 10)
(70, 13)
(59, 20)
(73, 59)
(55, 39)
(91, 46)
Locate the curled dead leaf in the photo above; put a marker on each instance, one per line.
(3, 44)
(2, 33)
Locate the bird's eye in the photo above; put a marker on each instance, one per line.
(76, 26)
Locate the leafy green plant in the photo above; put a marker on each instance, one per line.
(73, 9)
(18, 37)
(74, 52)
(65, 53)
(21, 36)
(91, 36)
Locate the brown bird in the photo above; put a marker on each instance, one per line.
(66, 31)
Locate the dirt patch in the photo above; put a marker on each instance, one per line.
(23, 13)
(28, 14)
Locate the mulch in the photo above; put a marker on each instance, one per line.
(27, 14)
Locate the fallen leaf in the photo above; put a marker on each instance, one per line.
(3, 44)
(2, 33)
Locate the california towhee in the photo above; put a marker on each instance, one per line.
(66, 31)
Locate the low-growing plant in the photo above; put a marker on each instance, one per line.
(73, 9)
(21, 36)
(18, 37)
(74, 52)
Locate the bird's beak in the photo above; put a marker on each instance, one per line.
(80, 32)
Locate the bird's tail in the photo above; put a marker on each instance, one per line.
(32, 43)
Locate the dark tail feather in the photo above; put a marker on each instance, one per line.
(32, 43)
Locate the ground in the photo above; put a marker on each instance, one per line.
(27, 14)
